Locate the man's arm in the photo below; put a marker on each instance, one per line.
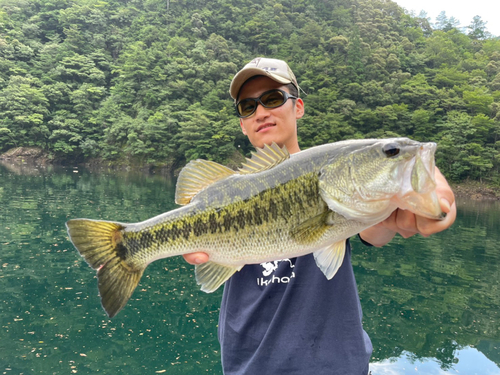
(408, 224)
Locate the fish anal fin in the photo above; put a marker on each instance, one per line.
(100, 244)
(265, 158)
(211, 275)
(196, 176)
(330, 258)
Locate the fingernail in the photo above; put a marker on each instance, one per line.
(198, 260)
(445, 204)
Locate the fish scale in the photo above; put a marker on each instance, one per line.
(274, 207)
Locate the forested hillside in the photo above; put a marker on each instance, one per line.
(148, 80)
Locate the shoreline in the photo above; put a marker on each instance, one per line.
(22, 158)
(476, 191)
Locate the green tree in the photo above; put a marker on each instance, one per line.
(477, 29)
(478, 100)
(24, 107)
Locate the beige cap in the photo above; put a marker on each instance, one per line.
(277, 70)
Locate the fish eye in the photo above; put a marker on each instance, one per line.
(391, 150)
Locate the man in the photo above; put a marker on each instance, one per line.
(285, 317)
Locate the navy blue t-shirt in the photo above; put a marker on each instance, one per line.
(285, 317)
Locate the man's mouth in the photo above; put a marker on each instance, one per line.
(265, 126)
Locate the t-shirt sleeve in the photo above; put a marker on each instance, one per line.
(363, 241)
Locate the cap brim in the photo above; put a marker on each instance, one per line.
(244, 75)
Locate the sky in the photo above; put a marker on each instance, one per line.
(464, 11)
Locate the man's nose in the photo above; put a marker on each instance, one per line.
(262, 111)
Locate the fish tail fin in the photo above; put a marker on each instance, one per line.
(100, 244)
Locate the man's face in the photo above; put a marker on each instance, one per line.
(268, 125)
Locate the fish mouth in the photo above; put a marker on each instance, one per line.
(420, 196)
(265, 126)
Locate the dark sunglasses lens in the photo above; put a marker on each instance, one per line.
(246, 107)
(273, 99)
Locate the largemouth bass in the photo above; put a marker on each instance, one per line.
(276, 206)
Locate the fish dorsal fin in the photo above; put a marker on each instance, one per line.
(265, 158)
(196, 176)
(330, 258)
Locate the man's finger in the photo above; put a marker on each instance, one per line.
(196, 258)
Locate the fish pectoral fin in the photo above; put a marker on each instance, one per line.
(330, 258)
(312, 229)
(265, 158)
(196, 176)
(99, 243)
(211, 275)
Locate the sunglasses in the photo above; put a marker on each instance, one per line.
(270, 99)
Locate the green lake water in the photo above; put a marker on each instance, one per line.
(431, 305)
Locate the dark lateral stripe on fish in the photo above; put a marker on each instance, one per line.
(266, 206)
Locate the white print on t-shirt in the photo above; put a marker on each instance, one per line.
(271, 267)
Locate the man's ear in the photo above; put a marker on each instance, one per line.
(299, 108)
(242, 127)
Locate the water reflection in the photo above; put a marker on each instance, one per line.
(432, 297)
(429, 304)
(468, 361)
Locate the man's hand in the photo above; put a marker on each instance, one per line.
(408, 224)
